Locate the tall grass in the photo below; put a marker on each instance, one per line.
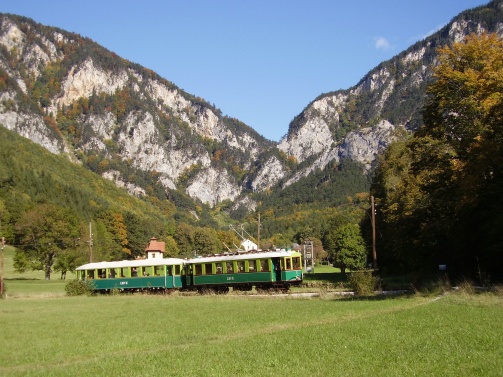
(177, 335)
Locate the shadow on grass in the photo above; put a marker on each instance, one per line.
(24, 279)
(328, 277)
(377, 297)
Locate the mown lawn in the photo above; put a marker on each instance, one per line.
(177, 335)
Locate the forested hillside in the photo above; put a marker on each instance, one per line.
(36, 185)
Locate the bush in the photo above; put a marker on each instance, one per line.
(467, 287)
(363, 283)
(79, 287)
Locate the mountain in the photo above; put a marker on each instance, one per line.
(135, 128)
(360, 122)
(117, 118)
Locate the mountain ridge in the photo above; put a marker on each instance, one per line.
(141, 131)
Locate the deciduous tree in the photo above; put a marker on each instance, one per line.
(441, 191)
(44, 233)
(347, 247)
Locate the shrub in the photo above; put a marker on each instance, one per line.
(466, 287)
(363, 283)
(79, 287)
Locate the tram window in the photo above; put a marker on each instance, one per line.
(251, 266)
(102, 273)
(296, 263)
(112, 273)
(241, 266)
(177, 269)
(198, 269)
(158, 270)
(123, 272)
(134, 272)
(264, 265)
(208, 267)
(218, 266)
(288, 263)
(90, 274)
(230, 267)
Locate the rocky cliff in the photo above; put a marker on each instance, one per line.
(360, 122)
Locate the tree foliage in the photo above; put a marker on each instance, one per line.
(346, 247)
(440, 191)
(44, 233)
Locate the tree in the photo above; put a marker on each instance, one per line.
(184, 237)
(227, 238)
(68, 260)
(116, 226)
(205, 241)
(465, 110)
(172, 249)
(440, 192)
(44, 233)
(347, 247)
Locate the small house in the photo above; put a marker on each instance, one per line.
(155, 249)
(248, 245)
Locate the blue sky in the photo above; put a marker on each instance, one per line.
(260, 61)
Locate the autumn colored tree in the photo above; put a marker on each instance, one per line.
(171, 248)
(440, 192)
(116, 231)
(228, 238)
(465, 110)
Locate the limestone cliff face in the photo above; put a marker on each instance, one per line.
(269, 174)
(212, 181)
(361, 122)
(169, 132)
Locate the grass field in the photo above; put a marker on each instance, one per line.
(251, 336)
(44, 333)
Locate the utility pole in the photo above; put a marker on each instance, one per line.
(90, 244)
(374, 252)
(258, 236)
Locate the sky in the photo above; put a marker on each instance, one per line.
(260, 61)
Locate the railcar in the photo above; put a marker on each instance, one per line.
(241, 271)
(128, 275)
(264, 270)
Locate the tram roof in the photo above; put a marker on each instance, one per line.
(132, 263)
(244, 256)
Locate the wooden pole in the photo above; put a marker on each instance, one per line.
(258, 235)
(90, 244)
(374, 252)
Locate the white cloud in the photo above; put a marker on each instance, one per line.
(382, 43)
(421, 37)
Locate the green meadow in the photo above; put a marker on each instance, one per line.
(44, 333)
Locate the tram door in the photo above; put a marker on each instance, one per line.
(276, 265)
(187, 276)
(170, 277)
